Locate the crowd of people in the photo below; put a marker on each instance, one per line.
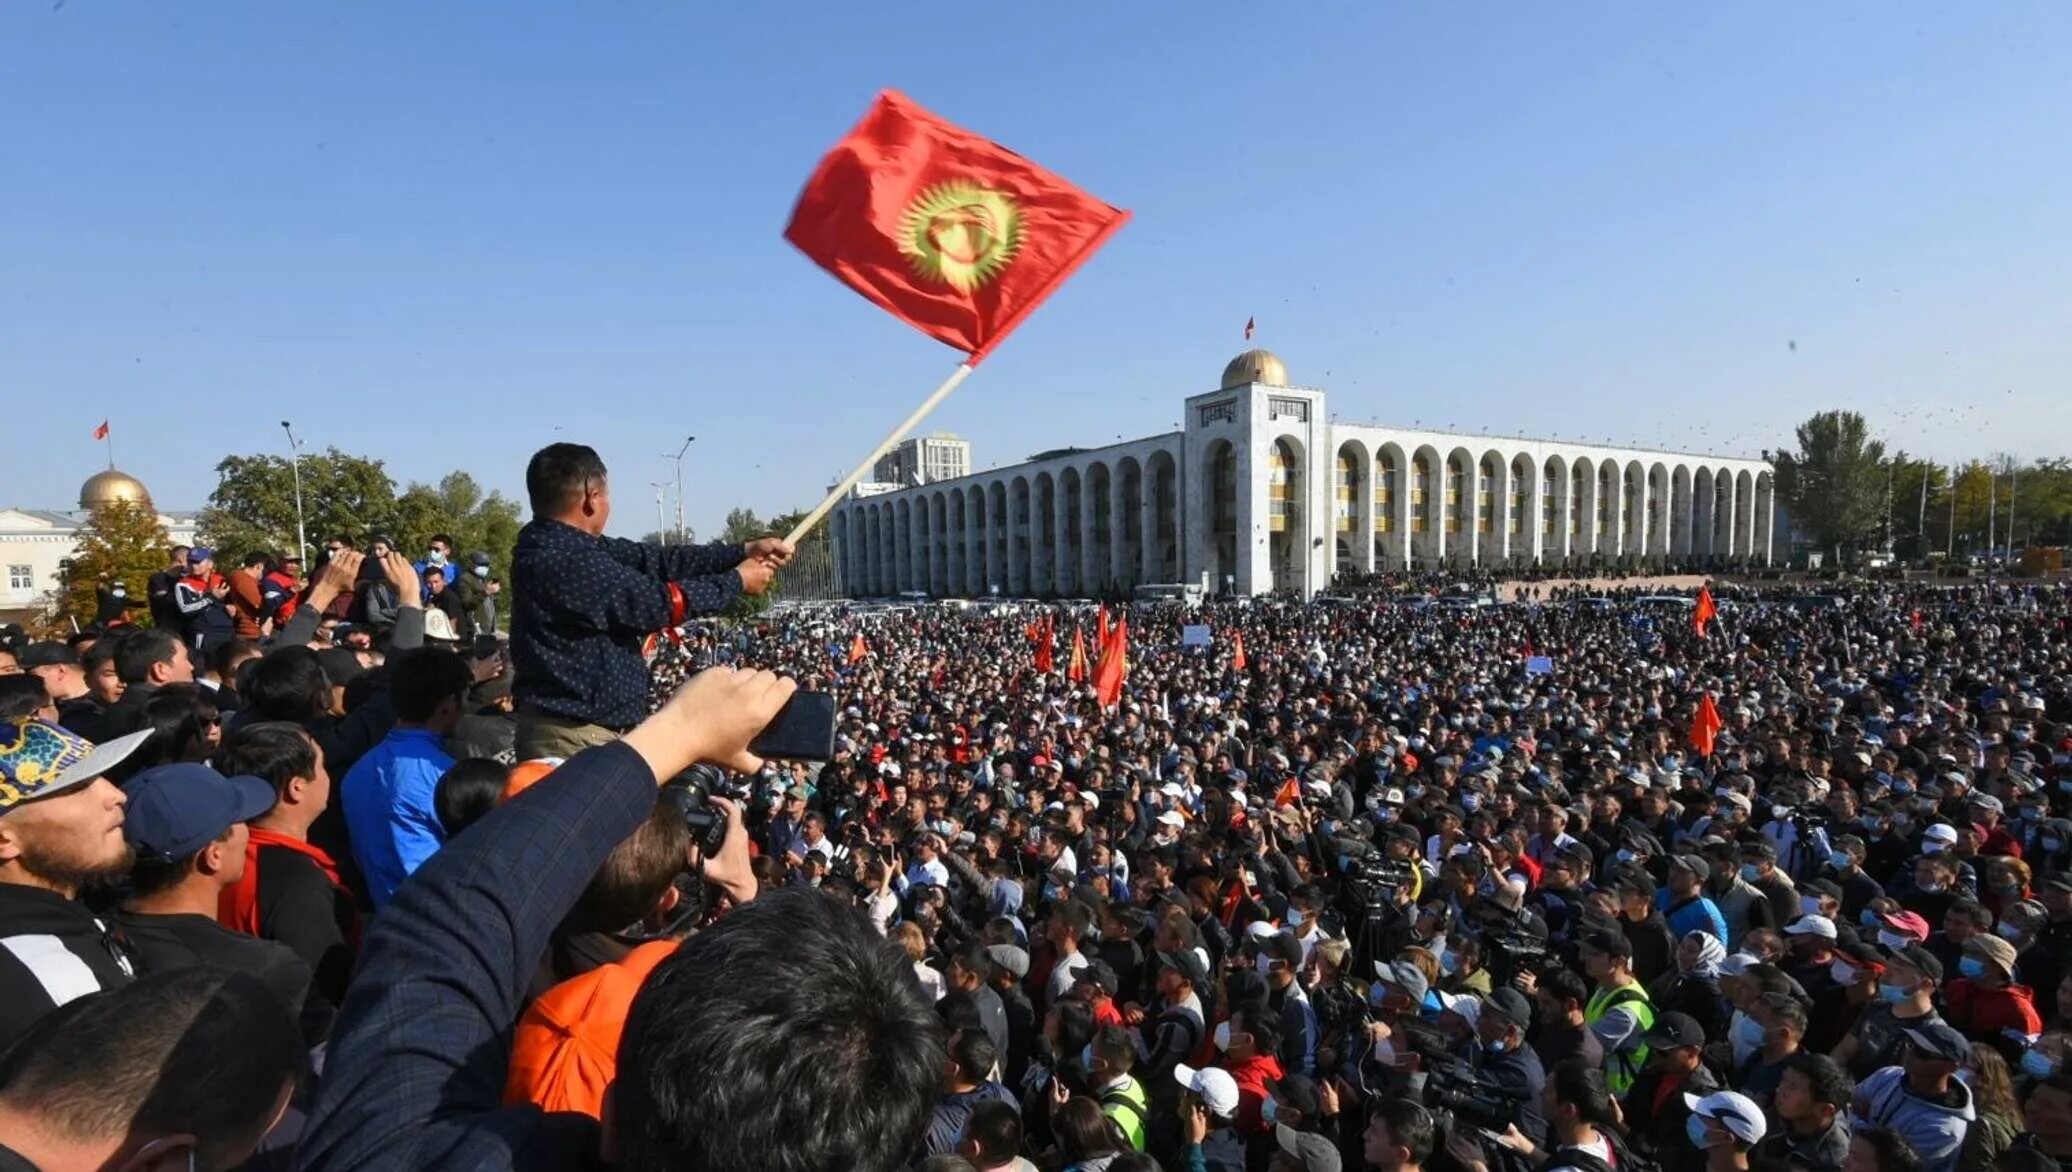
(1362, 886)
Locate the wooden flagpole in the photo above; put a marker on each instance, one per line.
(906, 425)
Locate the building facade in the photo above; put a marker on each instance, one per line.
(35, 543)
(924, 459)
(1260, 492)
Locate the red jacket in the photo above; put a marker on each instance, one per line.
(1251, 1075)
(1978, 1011)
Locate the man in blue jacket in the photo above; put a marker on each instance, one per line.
(387, 795)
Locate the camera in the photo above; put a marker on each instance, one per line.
(690, 794)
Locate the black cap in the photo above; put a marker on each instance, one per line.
(48, 655)
(1509, 1004)
(1297, 1091)
(1609, 943)
(1100, 974)
(1187, 965)
(1935, 1038)
(1674, 1031)
(2062, 881)
(1921, 961)
(1693, 864)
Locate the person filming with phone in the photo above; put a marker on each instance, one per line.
(586, 602)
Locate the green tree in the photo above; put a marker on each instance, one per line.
(253, 505)
(122, 541)
(457, 508)
(742, 526)
(1835, 483)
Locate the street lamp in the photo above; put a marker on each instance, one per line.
(678, 457)
(295, 462)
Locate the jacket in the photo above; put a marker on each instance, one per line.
(1981, 1012)
(388, 808)
(52, 951)
(1936, 1130)
(565, 1051)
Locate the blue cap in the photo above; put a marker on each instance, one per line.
(176, 810)
(199, 554)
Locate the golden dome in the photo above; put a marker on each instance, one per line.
(106, 487)
(1255, 366)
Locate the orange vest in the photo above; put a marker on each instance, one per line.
(565, 1052)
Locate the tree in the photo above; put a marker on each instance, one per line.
(458, 509)
(1835, 483)
(122, 541)
(253, 506)
(742, 527)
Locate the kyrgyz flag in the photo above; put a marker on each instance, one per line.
(1113, 666)
(1046, 647)
(858, 649)
(1238, 662)
(1076, 669)
(1705, 726)
(1704, 612)
(954, 234)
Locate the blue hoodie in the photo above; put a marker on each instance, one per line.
(1936, 1130)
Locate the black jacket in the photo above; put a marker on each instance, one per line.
(52, 950)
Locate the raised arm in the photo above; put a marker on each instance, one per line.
(674, 562)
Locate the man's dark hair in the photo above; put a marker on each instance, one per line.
(634, 875)
(469, 790)
(974, 960)
(1828, 1081)
(995, 1129)
(1582, 1086)
(229, 651)
(1566, 985)
(1786, 1009)
(274, 751)
(103, 651)
(557, 474)
(1114, 1046)
(21, 695)
(974, 1054)
(200, 1051)
(288, 684)
(1894, 1153)
(790, 1035)
(423, 678)
(140, 651)
(1409, 1124)
(441, 539)
(257, 557)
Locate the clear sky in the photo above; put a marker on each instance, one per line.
(436, 233)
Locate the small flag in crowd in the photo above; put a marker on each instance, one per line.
(1250, 323)
(858, 649)
(101, 432)
(1915, 622)
(1113, 666)
(948, 231)
(1705, 726)
(1238, 662)
(1101, 630)
(1539, 665)
(1046, 647)
(1704, 612)
(1076, 670)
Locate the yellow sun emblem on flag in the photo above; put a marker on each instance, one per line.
(960, 234)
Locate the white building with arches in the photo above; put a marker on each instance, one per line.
(1261, 492)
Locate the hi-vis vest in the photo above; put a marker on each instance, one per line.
(1622, 1066)
(1127, 1106)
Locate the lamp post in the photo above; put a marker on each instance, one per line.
(678, 457)
(295, 462)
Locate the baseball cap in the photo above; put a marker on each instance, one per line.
(1738, 964)
(1693, 864)
(1993, 949)
(1919, 959)
(1608, 942)
(1936, 1038)
(176, 810)
(47, 654)
(199, 554)
(1941, 832)
(38, 759)
(1467, 1005)
(1909, 924)
(1674, 1031)
(1732, 1110)
(1214, 1086)
(1187, 965)
(1098, 973)
(1311, 1151)
(1011, 958)
(1819, 926)
(1985, 802)
(1509, 1004)
(1297, 1091)
(1404, 977)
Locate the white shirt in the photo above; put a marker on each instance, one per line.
(1064, 976)
(929, 872)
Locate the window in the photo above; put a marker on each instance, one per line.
(21, 577)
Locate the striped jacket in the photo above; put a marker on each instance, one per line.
(52, 951)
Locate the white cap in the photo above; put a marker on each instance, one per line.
(1216, 1089)
(1172, 789)
(1738, 964)
(1941, 832)
(1092, 802)
(1732, 1110)
(1171, 818)
(1465, 1005)
(1819, 926)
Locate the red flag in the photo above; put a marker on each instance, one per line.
(1046, 647)
(1101, 630)
(858, 650)
(1705, 726)
(1249, 323)
(1915, 622)
(1704, 612)
(1076, 670)
(950, 232)
(1238, 662)
(101, 432)
(1289, 793)
(1112, 668)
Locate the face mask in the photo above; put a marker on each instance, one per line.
(1694, 1128)
(1449, 963)
(2007, 931)
(1498, 1046)
(1269, 1110)
(482, 571)
(1750, 873)
(1086, 1057)
(1295, 917)
(1385, 814)
(1385, 1052)
(1748, 1033)
(1972, 967)
(1867, 918)
(1931, 888)
(1893, 941)
(436, 558)
(120, 592)
(1263, 965)
(1841, 860)
(1223, 1037)
(1622, 855)
(1809, 906)
(1842, 973)
(1893, 994)
(2031, 814)
(2037, 1064)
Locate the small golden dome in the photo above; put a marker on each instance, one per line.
(1255, 366)
(106, 487)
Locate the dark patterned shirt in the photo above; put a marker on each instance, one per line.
(583, 606)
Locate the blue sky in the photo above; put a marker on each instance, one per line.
(435, 233)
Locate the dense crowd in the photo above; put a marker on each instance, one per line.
(1370, 885)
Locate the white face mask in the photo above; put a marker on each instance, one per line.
(482, 571)
(1842, 973)
(1223, 1037)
